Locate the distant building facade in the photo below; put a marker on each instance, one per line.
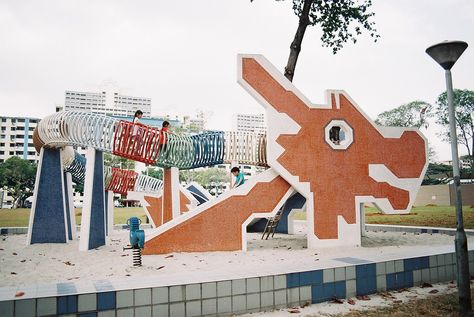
(16, 138)
(249, 123)
(107, 102)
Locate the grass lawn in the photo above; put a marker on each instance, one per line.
(431, 216)
(20, 217)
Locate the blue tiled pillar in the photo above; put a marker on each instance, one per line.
(48, 213)
(93, 210)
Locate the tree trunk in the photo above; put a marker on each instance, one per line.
(295, 46)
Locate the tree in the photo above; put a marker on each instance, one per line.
(334, 17)
(17, 177)
(438, 173)
(154, 172)
(412, 114)
(464, 103)
(119, 162)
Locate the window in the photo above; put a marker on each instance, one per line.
(339, 135)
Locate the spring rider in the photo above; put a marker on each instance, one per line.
(137, 240)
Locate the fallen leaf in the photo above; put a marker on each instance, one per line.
(19, 294)
(426, 285)
(350, 301)
(13, 273)
(23, 261)
(452, 286)
(69, 263)
(397, 301)
(169, 256)
(433, 291)
(363, 297)
(14, 253)
(337, 300)
(294, 311)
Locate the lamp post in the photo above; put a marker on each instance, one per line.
(446, 54)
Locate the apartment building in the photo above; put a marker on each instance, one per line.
(107, 102)
(16, 138)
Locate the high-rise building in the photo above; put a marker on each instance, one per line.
(249, 123)
(107, 102)
(16, 138)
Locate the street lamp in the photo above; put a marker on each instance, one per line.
(446, 54)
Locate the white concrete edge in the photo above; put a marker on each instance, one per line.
(35, 195)
(87, 201)
(110, 212)
(70, 202)
(243, 190)
(175, 195)
(291, 220)
(280, 203)
(63, 194)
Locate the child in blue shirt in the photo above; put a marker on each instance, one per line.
(239, 177)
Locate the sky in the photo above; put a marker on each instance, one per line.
(182, 54)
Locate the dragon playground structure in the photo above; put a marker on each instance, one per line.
(329, 159)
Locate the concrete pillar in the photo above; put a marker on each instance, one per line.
(109, 198)
(171, 198)
(362, 221)
(93, 210)
(69, 199)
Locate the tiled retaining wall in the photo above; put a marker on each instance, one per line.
(223, 298)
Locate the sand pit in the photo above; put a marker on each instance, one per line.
(54, 263)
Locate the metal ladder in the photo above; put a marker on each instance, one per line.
(272, 224)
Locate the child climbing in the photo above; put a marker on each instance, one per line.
(164, 136)
(136, 140)
(239, 177)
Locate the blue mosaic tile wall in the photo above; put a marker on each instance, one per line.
(223, 298)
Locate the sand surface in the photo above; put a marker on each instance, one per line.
(53, 263)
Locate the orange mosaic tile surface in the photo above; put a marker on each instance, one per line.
(337, 176)
(219, 228)
(155, 207)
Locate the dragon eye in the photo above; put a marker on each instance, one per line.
(338, 134)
